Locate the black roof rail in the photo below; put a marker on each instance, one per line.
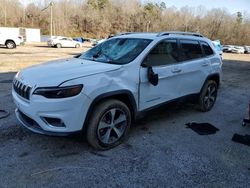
(179, 33)
(125, 33)
(128, 33)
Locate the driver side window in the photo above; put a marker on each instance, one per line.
(164, 53)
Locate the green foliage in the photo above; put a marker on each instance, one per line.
(152, 10)
(98, 4)
(239, 18)
(163, 5)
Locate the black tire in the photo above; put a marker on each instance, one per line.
(208, 95)
(77, 45)
(102, 129)
(10, 44)
(58, 45)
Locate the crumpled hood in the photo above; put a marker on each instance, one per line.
(53, 73)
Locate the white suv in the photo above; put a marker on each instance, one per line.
(102, 90)
(10, 41)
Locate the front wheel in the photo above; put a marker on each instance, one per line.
(208, 96)
(77, 46)
(109, 125)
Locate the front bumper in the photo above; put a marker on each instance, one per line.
(34, 127)
(50, 44)
(71, 111)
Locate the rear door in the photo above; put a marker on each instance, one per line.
(194, 67)
(212, 59)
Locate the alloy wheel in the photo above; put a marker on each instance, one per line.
(210, 97)
(10, 45)
(112, 126)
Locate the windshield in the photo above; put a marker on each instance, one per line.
(117, 50)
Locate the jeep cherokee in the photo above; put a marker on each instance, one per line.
(104, 89)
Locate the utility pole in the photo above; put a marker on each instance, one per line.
(51, 18)
(51, 4)
(148, 23)
(5, 14)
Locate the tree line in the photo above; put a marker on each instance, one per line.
(100, 18)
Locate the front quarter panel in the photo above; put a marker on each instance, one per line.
(111, 81)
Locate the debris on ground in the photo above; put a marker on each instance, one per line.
(202, 128)
(241, 139)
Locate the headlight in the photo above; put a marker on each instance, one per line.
(59, 92)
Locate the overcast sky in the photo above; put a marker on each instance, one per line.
(233, 6)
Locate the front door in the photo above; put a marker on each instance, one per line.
(163, 59)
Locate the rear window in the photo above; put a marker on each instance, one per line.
(207, 49)
(190, 49)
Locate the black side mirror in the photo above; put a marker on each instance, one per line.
(152, 77)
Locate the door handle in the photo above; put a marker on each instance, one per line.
(176, 70)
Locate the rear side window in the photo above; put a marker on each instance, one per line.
(190, 49)
(207, 49)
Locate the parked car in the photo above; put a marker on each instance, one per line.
(106, 88)
(238, 50)
(10, 41)
(227, 48)
(96, 42)
(60, 42)
(247, 49)
(79, 39)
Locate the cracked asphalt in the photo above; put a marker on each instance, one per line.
(160, 152)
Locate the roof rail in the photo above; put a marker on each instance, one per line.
(125, 33)
(179, 33)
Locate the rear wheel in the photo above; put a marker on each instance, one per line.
(109, 125)
(10, 44)
(77, 45)
(208, 96)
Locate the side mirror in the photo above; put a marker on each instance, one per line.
(152, 77)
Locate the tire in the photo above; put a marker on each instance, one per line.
(101, 133)
(58, 45)
(208, 95)
(77, 45)
(10, 44)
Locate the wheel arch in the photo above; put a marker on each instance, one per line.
(124, 96)
(215, 77)
(10, 40)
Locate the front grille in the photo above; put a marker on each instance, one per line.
(21, 89)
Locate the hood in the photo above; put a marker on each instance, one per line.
(53, 73)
